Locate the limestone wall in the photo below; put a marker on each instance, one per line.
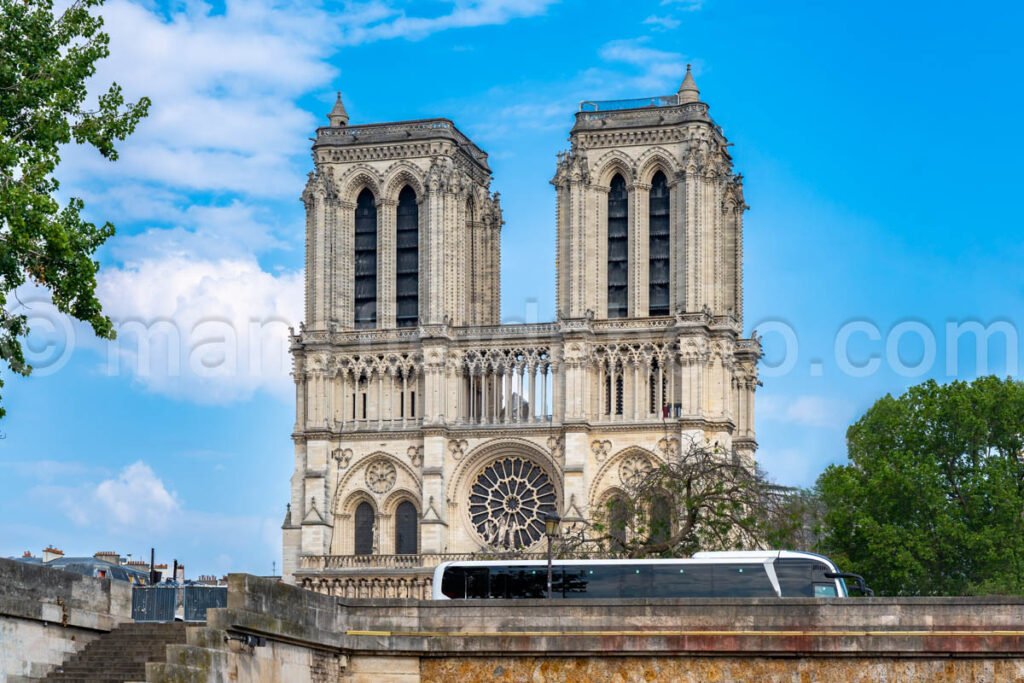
(682, 669)
(275, 632)
(47, 614)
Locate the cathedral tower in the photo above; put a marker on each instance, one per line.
(397, 215)
(650, 214)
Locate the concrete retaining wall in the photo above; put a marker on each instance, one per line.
(48, 614)
(304, 636)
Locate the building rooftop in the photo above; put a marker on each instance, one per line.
(682, 107)
(399, 131)
(636, 103)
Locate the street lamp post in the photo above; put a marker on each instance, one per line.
(551, 523)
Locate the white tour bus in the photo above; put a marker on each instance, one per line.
(741, 574)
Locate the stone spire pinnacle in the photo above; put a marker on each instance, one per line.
(688, 89)
(338, 116)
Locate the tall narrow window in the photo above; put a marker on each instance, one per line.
(364, 529)
(405, 529)
(659, 394)
(613, 391)
(658, 246)
(661, 518)
(366, 260)
(407, 259)
(618, 517)
(618, 249)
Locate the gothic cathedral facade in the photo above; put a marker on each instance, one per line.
(426, 429)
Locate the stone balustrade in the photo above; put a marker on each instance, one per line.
(414, 586)
(321, 563)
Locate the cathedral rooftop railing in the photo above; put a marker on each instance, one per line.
(515, 335)
(499, 332)
(647, 112)
(637, 103)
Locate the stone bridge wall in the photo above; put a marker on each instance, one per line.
(305, 636)
(47, 614)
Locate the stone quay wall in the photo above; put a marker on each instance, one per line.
(48, 614)
(274, 632)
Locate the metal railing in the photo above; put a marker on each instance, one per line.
(165, 603)
(640, 103)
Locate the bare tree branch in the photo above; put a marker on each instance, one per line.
(706, 498)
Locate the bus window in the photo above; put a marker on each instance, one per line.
(801, 578)
(499, 582)
(742, 581)
(825, 590)
(794, 578)
(634, 581)
(682, 581)
(582, 581)
(607, 581)
(476, 582)
(530, 582)
(464, 582)
(577, 582)
(453, 583)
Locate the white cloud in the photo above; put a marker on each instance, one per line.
(135, 509)
(685, 5)
(205, 330)
(135, 497)
(368, 22)
(665, 23)
(807, 411)
(198, 315)
(659, 70)
(205, 232)
(224, 89)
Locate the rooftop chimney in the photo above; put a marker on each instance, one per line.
(108, 556)
(50, 553)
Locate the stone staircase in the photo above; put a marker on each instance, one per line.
(121, 654)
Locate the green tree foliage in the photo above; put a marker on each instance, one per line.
(46, 61)
(932, 501)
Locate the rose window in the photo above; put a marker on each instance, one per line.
(509, 501)
(633, 469)
(380, 476)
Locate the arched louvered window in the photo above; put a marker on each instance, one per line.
(364, 529)
(657, 380)
(618, 249)
(406, 542)
(407, 259)
(658, 263)
(661, 518)
(617, 518)
(613, 391)
(366, 260)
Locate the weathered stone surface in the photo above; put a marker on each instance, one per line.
(48, 614)
(718, 669)
(311, 637)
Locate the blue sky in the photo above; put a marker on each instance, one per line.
(880, 143)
